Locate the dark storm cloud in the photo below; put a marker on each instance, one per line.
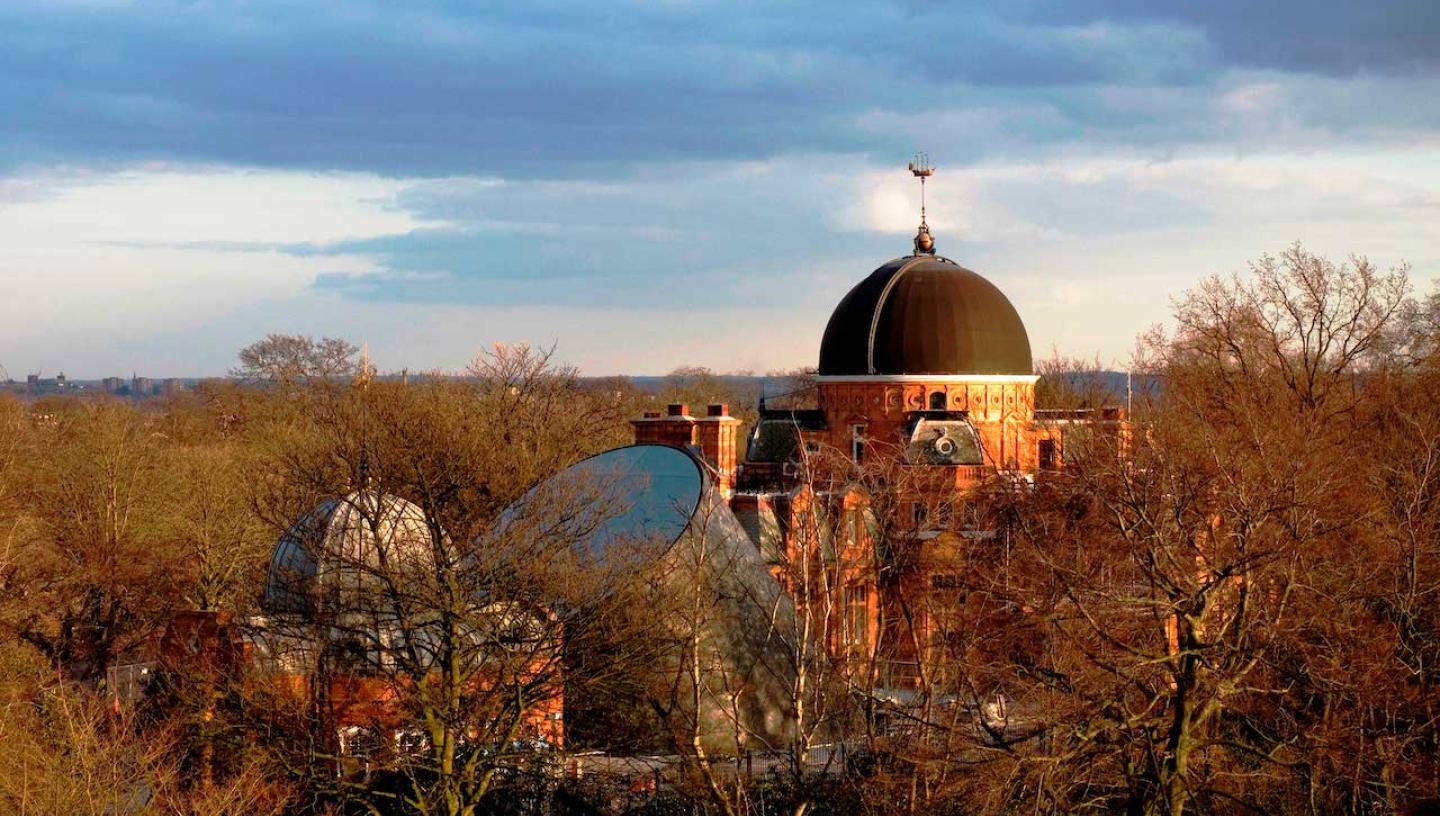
(1335, 38)
(591, 89)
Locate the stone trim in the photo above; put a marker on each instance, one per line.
(939, 379)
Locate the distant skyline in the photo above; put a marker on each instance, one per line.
(649, 185)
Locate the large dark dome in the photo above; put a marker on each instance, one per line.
(924, 314)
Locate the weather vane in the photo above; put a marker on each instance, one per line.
(921, 168)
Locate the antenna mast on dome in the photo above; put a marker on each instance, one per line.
(921, 168)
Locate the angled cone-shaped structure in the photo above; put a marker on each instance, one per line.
(707, 602)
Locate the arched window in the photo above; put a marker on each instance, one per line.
(937, 401)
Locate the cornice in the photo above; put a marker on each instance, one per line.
(937, 379)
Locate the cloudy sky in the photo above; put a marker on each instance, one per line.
(654, 184)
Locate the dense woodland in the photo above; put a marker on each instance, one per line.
(1235, 608)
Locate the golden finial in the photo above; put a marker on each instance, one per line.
(921, 168)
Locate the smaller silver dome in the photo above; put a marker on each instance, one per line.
(343, 545)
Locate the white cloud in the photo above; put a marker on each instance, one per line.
(94, 261)
(161, 204)
(1092, 250)
(166, 270)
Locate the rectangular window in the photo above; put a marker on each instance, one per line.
(857, 443)
(947, 594)
(947, 582)
(857, 617)
(1049, 455)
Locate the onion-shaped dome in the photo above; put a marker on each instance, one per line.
(342, 546)
(924, 314)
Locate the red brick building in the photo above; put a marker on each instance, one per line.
(925, 382)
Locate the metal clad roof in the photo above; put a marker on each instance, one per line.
(924, 315)
(650, 491)
(640, 493)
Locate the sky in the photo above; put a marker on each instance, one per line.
(679, 182)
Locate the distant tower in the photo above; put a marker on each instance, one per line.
(921, 168)
(367, 369)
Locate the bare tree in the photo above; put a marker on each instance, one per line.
(1072, 383)
(217, 540)
(90, 576)
(14, 436)
(1181, 581)
(69, 752)
(1300, 320)
(293, 359)
(428, 627)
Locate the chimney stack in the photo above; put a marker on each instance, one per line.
(715, 433)
(675, 428)
(711, 436)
